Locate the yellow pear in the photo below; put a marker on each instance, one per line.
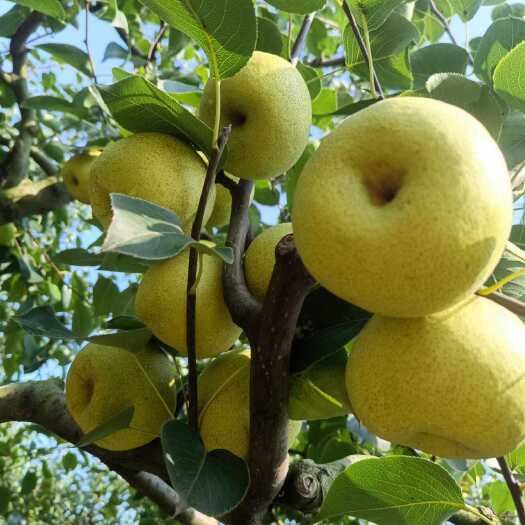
(161, 304)
(405, 208)
(104, 380)
(268, 105)
(451, 384)
(152, 166)
(260, 258)
(7, 234)
(224, 404)
(76, 174)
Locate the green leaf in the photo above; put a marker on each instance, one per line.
(50, 103)
(502, 36)
(105, 293)
(5, 498)
(325, 103)
(473, 97)
(42, 321)
(265, 193)
(300, 7)
(466, 9)
(312, 78)
(393, 490)
(319, 392)
(292, 175)
(388, 44)
(509, 81)
(512, 139)
(269, 37)
(142, 229)
(225, 29)
(500, 497)
(114, 50)
(111, 262)
(29, 482)
(376, 12)
(82, 320)
(213, 483)
(138, 106)
(119, 422)
(516, 459)
(69, 461)
(437, 58)
(130, 340)
(48, 7)
(68, 54)
(10, 21)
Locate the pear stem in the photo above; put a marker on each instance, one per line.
(514, 489)
(364, 50)
(191, 301)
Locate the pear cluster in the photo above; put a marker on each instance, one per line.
(268, 106)
(404, 210)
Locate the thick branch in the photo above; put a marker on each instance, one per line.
(43, 403)
(32, 198)
(269, 389)
(330, 62)
(16, 164)
(243, 306)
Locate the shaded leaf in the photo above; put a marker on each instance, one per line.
(68, 54)
(48, 7)
(213, 483)
(269, 37)
(119, 422)
(300, 7)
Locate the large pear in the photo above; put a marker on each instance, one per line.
(76, 173)
(452, 384)
(224, 404)
(105, 380)
(405, 208)
(269, 107)
(260, 258)
(152, 166)
(161, 304)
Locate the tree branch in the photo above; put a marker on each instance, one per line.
(514, 489)
(32, 198)
(301, 38)
(243, 306)
(48, 166)
(156, 42)
(191, 302)
(44, 403)
(134, 50)
(362, 46)
(269, 389)
(15, 166)
(319, 62)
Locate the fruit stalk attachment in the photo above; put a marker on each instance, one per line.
(191, 303)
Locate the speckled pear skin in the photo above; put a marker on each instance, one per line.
(224, 404)
(452, 384)
(152, 166)
(405, 208)
(161, 304)
(76, 175)
(260, 258)
(104, 380)
(269, 106)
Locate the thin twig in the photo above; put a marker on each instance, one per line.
(446, 26)
(192, 275)
(298, 45)
(363, 48)
(156, 42)
(330, 62)
(514, 488)
(509, 303)
(86, 41)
